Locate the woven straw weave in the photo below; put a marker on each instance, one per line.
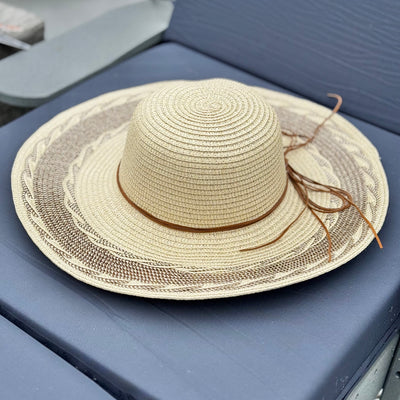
(199, 154)
(204, 156)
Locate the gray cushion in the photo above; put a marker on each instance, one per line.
(308, 341)
(346, 47)
(33, 77)
(30, 371)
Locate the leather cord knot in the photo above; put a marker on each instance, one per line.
(304, 185)
(301, 183)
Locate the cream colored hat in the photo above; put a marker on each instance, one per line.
(198, 189)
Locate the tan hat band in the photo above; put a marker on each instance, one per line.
(302, 184)
(199, 230)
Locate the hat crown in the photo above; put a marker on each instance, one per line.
(204, 154)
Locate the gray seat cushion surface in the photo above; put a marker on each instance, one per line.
(308, 341)
(30, 371)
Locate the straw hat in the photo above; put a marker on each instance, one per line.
(180, 190)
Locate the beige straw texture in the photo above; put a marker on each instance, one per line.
(204, 154)
(201, 154)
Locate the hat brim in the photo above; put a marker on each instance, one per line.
(66, 195)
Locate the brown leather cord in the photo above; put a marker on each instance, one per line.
(200, 230)
(304, 185)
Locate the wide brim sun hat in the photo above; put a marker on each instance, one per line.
(198, 189)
